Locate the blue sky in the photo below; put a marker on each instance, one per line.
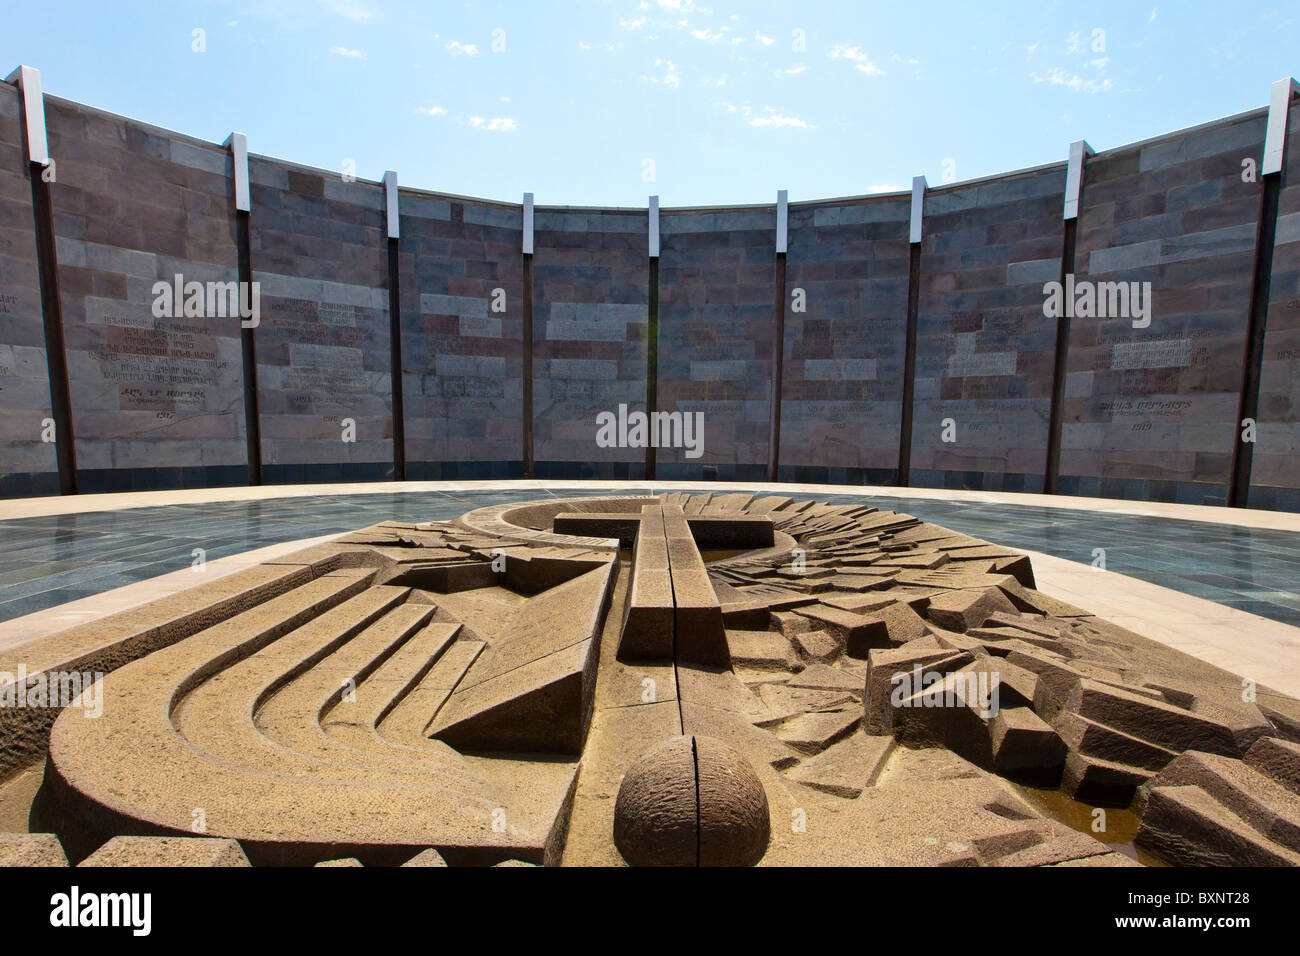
(603, 102)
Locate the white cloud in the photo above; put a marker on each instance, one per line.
(629, 24)
(456, 48)
(497, 124)
(345, 52)
(856, 55)
(792, 71)
(584, 45)
(1072, 81)
(769, 118)
(1073, 42)
(669, 79)
(1031, 48)
(772, 118)
(715, 80)
(1152, 18)
(1099, 63)
(707, 35)
(432, 110)
(766, 41)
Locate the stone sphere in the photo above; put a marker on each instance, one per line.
(691, 801)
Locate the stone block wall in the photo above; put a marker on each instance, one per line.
(29, 465)
(842, 376)
(157, 400)
(1149, 411)
(324, 390)
(717, 305)
(462, 362)
(590, 317)
(157, 396)
(985, 350)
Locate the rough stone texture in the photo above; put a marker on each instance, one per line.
(29, 464)
(716, 299)
(691, 801)
(1150, 412)
(31, 849)
(842, 378)
(167, 851)
(156, 402)
(318, 250)
(656, 818)
(429, 857)
(984, 349)
(462, 362)
(391, 692)
(590, 318)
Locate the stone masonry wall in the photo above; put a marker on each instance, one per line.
(157, 401)
(319, 252)
(1149, 411)
(590, 315)
(842, 381)
(29, 462)
(157, 396)
(462, 362)
(717, 303)
(984, 348)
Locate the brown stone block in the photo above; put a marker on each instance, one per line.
(167, 851)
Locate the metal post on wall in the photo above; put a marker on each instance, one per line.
(652, 330)
(1079, 152)
(237, 143)
(919, 187)
(778, 339)
(41, 171)
(393, 221)
(1271, 172)
(527, 248)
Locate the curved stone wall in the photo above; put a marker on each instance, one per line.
(797, 361)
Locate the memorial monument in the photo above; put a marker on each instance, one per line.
(687, 679)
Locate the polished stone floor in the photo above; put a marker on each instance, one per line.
(48, 561)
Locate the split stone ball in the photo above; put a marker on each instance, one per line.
(691, 801)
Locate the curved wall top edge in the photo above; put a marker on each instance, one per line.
(147, 127)
(674, 210)
(1186, 130)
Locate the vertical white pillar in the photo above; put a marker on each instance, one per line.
(1279, 103)
(28, 80)
(654, 227)
(237, 143)
(782, 220)
(918, 203)
(390, 196)
(1079, 151)
(528, 224)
